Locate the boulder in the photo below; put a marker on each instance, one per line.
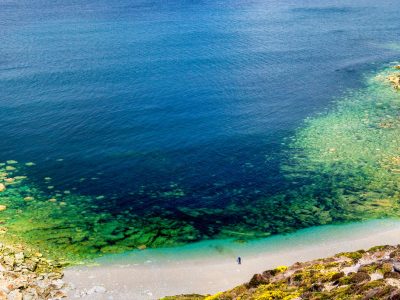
(337, 276)
(394, 275)
(387, 267)
(3, 295)
(395, 295)
(394, 254)
(257, 280)
(15, 295)
(396, 266)
(373, 294)
(359, 277)
(395, 80)
(316, 287)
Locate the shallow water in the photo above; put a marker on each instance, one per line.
(333, 237)
(155, 273)
(195, 95)
(164, 123)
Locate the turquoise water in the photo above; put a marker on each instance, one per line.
(153, 97)
(328, 238)
(154, 123)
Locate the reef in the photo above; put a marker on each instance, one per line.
(73, 227)
(343, 165)
(371, 274)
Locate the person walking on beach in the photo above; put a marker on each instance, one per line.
(239, 260)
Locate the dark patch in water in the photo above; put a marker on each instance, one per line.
(315, 11)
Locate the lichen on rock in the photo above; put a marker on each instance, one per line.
(323, 279)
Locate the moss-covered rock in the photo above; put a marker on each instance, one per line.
(185, 297)
(323, 279)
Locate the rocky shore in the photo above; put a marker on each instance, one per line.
(371, 274)
(26, 275)
(395, 79)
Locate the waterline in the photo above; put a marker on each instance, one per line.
(210, 266)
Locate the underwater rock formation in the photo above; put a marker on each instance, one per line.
(363, 274)
(340, 166)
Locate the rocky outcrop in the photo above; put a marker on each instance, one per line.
(395, 78)
(372, 274)
(25, 274)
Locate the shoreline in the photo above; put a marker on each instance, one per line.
(210, 266)
(51, 219)
(26, 273)
(155, 273)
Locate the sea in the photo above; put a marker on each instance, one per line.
(182, 107)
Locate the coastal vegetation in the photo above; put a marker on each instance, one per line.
(341, 166)
(371, 274)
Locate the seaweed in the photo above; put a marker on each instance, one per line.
(341, 166)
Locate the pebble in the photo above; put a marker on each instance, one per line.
(96, 289)
(19, 280)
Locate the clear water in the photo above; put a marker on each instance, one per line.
(171, 109)
(328, 238)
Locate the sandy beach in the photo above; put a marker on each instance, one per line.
(209, 267)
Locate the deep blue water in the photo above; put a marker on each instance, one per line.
(190, 97)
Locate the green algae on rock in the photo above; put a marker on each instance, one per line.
(75, 227)
(353, 150)
(342, 166)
